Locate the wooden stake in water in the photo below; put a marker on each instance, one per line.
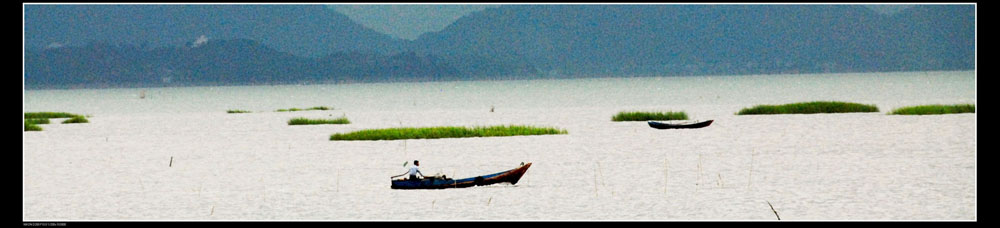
(699, 171)
(595, 178)
(599, 171)
(171, 161)
(750, 176)
(772, 209)
(263, 194)
(666, 173)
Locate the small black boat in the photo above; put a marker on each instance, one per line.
(659, 125)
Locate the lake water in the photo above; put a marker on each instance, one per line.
(177, 154)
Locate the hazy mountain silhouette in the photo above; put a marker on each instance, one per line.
(304, 30)
(222, 62)
(129, 45)
(704, 39)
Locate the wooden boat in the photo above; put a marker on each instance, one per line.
(660, 125)
(442, 182)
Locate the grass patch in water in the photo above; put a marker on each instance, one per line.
(444, 132)
(936, 109)
(36, 121)
(49, 115)
(808, 108)
(306, 121)
(307, 109)
(644, 116)
(33, 119)
(231, 111)
(76, 119)
(31, 127)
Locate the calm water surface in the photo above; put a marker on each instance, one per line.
(176, 155)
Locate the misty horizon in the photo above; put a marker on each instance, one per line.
(163, 45)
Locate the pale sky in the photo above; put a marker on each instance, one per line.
(407, 21)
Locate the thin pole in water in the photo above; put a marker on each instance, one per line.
(666, 173)
(750, 176)
(699, 171)
(595, 182)
(772, 209)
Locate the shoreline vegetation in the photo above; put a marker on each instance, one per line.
(808, 108)
(645, 116)
(49, 115)
(444, 132)
(36, 121)
(33, 119)
(76, 119)
(936, 109)
(307, 109)
(31, 127)
(307, 121)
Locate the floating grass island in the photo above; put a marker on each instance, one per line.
(444, 132)
(935, 109)
(36, 121)
(31, 127)
(33, 119)
(76, 119)
(232, 111)
(809, 108)
(49, 115)
(644, 116)
(306, 121)
(307, 109)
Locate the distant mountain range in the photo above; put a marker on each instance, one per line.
(303, 30)
(224, 62)
(167, 45)
(714, 39)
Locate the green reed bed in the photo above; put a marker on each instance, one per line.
(31, 127)
(76, 119)
(444, 132)
(306, 121)
(644, 116)
(232, 111)
(48, 115)
(936, 109)
(33, 119)
(36, 121)
(809, 108)
(307, 109)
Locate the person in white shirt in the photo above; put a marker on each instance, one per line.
(414, 170)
